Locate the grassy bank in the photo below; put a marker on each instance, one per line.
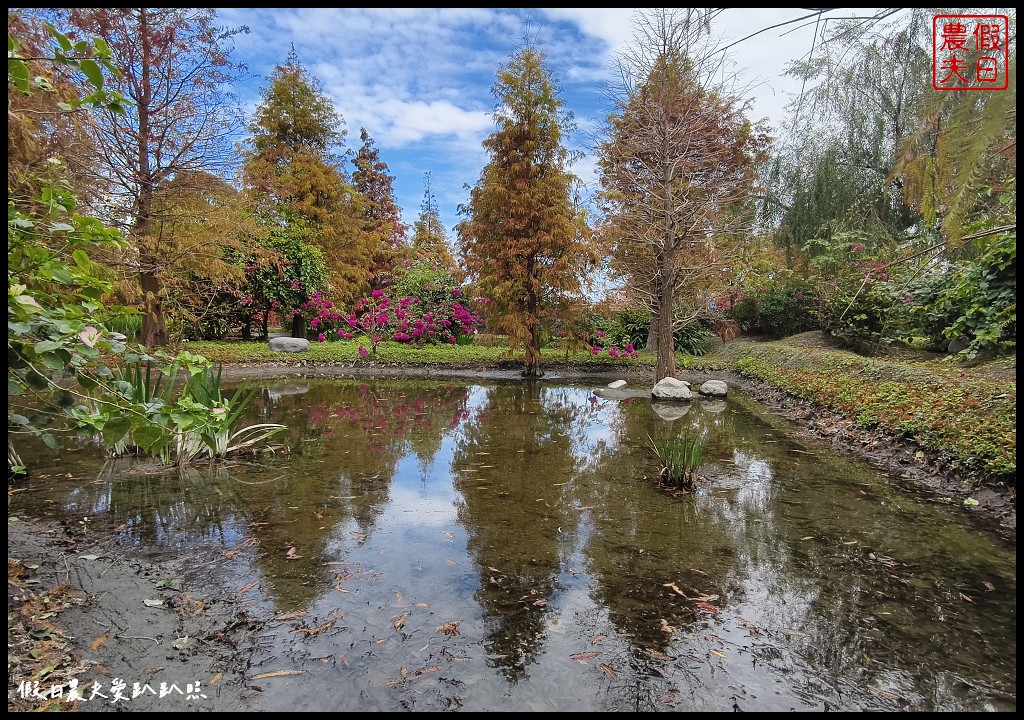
(967, 414)
(347, 351)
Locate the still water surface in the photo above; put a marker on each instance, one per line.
(504, 546)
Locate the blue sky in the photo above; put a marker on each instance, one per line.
(419, 79)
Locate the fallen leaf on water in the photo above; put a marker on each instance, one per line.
(398, 597)
(675, 589)
(448, 535)
(706, 607)
(315, 631)
(540, 603)
(792, 633)
(89, 557)
(180, 643)
(610, 672)
(665, 627)
(597, 639)
(426, 670)
(401, 621)
(247, 588)
(98, 642)
(706, 598)
(850, 542)
(153, 603)
(452, 562)
(883, 693)
(420, 605)
(404, 672)
(584, 507)
(807, 537)
(584, 656)
(659, 655)
(719, 653)
(968, 598)
(216, 679)
(357, 535)
(451, 629)
(343, 660)
(748, 626)
(290, 555)
(988, 586)
(277, 673)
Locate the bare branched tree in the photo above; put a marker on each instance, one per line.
(174, 69)
(677, 172)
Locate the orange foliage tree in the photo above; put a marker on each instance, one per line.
(525, 239)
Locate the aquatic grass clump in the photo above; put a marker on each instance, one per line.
(680, 457)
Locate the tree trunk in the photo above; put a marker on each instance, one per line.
(652, 329)
(532, 359)
(154, 331)
(666, 366)
(298, 326)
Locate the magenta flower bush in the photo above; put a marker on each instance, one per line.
(407, 320)
(627, 352)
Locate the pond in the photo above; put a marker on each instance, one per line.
(447, 545)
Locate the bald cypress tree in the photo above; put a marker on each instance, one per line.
(381, 217)
(429, 240)
(294, 168)
(524, 237)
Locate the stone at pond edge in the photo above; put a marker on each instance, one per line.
(958, 345)
(289, 344)
(615, 384)
(714, 388)
(671, 389)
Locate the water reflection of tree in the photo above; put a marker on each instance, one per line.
(512, 462)
(160, 506)
(346, 440)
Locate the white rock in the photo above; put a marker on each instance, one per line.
(289, 344)
(617, 384)
(714, 388)
(671, 389)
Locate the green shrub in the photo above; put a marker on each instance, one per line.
(785, 310)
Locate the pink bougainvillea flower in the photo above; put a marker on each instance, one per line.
(321, 337)
(363, 352)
